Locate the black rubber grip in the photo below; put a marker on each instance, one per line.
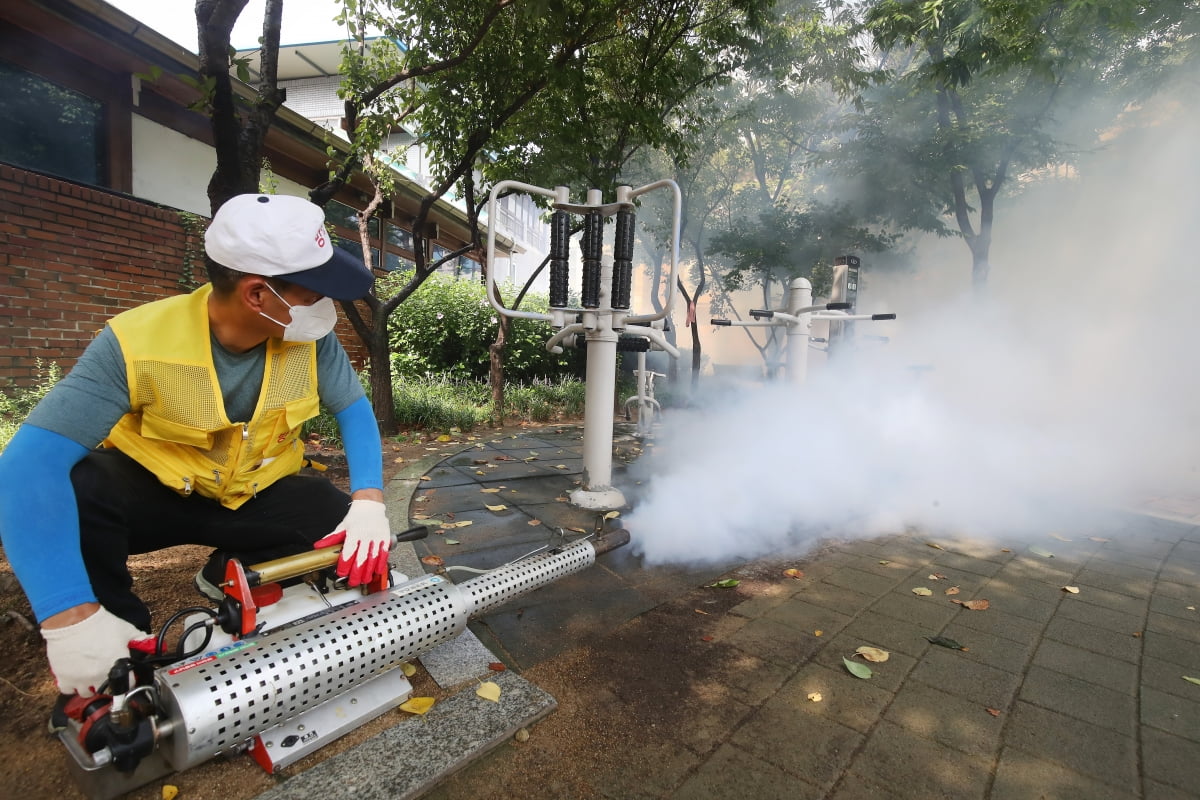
(838, 306)
(412, 534)
(759, 313)
(560, 253)
(883, 316)
(633, 344)
(622, 279)
(593, 248)
(610, 540)
(720, 322)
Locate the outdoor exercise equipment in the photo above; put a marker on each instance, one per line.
(648, 408)
(797, 319)
(604, 322)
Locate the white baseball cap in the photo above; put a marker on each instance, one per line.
(284, 236)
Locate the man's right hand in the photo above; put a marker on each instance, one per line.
(82, 652)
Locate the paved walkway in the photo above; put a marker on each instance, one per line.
(1053, 693)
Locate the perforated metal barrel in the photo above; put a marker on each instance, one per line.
(217, 702)
(223, 699)
(497, 587)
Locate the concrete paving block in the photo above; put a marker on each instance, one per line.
(845, 699)
(1119, 676)
(950, 671)
(1120, 561)
(1181, 652)
(1065, 694)
(957, 562)
(836, 598)
(780, 644)
(889, 633)
(1079, 609)
(856, 787)
(1035, 568)
(930, 612)
(1167, 677)
(919, 769)
(888, 675)
(751, 680)
(869, 562)
(1187, 629)
(1021, 776)
(408, 759)
(1134, 585)
(1099, 753)
(1022, 600)
(1153, 790)
(459, 660)
(648, 774)
(947, 719)
(863, 581)
(806, 617)
(1124, 646)
(1170, 760)
(732, 773)
(1187, 607)
(1179, 572)
(987, 648)
(1172, 714)
(1124, 602)
(998, 622)
(806, 745)
(758, 605)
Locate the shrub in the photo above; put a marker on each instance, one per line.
(446, 326)
(16, 403)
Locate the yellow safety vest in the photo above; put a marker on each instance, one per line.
(177, 427)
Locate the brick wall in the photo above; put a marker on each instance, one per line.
(72, 256)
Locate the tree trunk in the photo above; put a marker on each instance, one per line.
(496, 370)
(379, 362)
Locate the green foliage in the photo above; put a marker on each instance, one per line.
(446, 326)
(440, 404)
(785, 243)
(17, 402)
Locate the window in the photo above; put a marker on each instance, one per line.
(344, 216)
(399, 239)
(51, 128)
(352, 246)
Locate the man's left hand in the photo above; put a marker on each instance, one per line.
(366, 537)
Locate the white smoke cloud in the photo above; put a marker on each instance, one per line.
(1071, 384)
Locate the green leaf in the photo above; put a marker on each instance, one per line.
(452, 541)
(728, 583)
(857, 670)
(1192, 680)
(942, 641)
(1037, 551)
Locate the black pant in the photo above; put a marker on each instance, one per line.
(124, 510)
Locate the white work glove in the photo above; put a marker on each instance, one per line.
(366, 537)
(81, 655)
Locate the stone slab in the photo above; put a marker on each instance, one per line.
(457, 661)
(410, 758)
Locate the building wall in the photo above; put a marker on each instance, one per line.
(170, 167)
(72, 256)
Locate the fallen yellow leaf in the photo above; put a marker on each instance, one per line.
(535, 522)
(396, 460)
(443, 438)
(952, 590)
(420, 516)
(1071, 589)
(1060, 538)
(497, 508)
(169, 792)
(560, 466)
(793, 573)
(921, 590)
(873, 654)
(408, 669)
(818, 633)
(489, 690)
(934, 545)
(417, 705)
(974, 605)
(489, 491)
(612, 515)
(426, 478)
(815, 697)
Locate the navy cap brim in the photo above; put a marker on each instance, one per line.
(342, 277)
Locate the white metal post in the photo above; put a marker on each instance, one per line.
(799, 297)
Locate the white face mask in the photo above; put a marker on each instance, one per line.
(309, 323)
